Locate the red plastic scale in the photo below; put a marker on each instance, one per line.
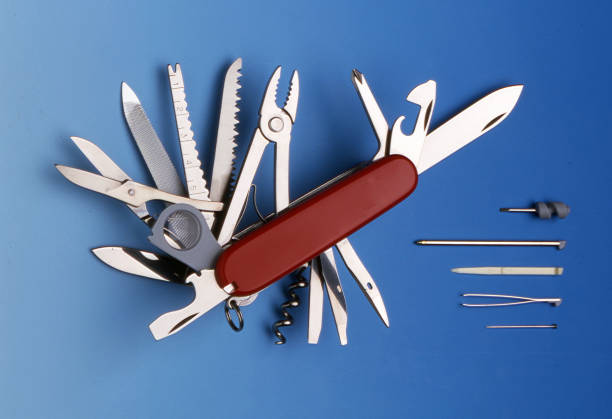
(303, 232)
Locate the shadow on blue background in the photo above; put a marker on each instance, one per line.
(75, 338)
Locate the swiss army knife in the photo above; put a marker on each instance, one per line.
(197, 230)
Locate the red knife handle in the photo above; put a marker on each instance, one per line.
(301, 233)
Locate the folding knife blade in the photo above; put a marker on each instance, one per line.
(156, 158)
(467, 125)
(143, 263)
(223, 164)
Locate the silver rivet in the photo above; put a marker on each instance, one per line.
(276, 124)
(131, 192)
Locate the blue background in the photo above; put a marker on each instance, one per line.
(75, 341)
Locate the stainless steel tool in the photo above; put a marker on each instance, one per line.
(194, 175)
(128, 191)
(543, 210)
(523, 326)
(274, 127)
(510, 270)
(223, 163)
(559, 244)
(153, 152)
(196, 264)
(519, 300)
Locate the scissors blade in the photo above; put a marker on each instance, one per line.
(363, 278)
(130, 192)
(375, 115)
(467, 125)
(335, 293)
(109, 169)
(100, 160)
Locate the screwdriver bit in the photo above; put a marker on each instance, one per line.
(543, 210)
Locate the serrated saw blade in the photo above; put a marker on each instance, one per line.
(223, 165)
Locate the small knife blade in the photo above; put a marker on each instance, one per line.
(156, 158)
(223, 164)
(467, 125)
(143, 263)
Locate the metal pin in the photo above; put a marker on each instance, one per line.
(559, 244)
(524, 326)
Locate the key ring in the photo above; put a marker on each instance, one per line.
(231, 304)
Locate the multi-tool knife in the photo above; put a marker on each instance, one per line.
(197, 232)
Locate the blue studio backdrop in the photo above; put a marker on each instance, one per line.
(75, 341)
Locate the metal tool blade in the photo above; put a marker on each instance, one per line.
(207, 295)
(100, 160)
(411, 146)
(109, 169)
(223, 164)
(363, 278)
(156, 158)
(130, 192)
(335, 293)
(375, 115)
(510, 270)
(243, 185)
(143, 263)
(194, 175)
(315, 302)
(467, 125)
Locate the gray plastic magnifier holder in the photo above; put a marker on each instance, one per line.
(202, 255)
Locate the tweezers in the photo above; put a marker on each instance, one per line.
(521, 300)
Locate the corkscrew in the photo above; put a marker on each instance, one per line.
(292, 302)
